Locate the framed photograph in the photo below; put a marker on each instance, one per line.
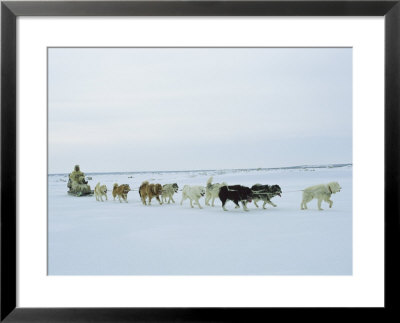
(198, 161)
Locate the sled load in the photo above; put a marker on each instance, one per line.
(77, 185)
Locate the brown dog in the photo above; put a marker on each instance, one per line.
(121, 191)
(150, 191)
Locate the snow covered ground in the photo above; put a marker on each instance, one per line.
(86, 237)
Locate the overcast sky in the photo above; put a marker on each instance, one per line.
(149, 109)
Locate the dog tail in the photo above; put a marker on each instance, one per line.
(209, 181)
(115, 185)
(141, 186)
(145, 183)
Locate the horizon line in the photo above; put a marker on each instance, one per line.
(221, 169)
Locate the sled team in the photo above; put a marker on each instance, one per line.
(225, 192)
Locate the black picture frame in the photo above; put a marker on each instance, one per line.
(10, 10)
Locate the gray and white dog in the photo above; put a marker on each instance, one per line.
(212, 191)
(168, 190)
(265, 193)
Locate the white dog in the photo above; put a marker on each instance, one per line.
(212, 191)
(322, 192)
(193, 193)
(168, 190)
(100, 191)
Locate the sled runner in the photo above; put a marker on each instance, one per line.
(81, 193)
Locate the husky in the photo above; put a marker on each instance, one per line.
(168, 190)
(193, 193)
(212, 191)
(265, 193)
(235, 193)
(121, 191)
(100, 191)
(321, 192)
(150, 191)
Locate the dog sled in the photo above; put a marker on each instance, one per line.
(77, 184)
(79, 190)
(81, 193)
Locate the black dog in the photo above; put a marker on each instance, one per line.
(235, 193)
(265, 193)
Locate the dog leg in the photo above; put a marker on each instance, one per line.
(191, 205)
(172, 200)
(255, 203)
(272, 203)
(208, 199)
(223, 206)
(150, 200)
(158, 199)
(304, 202)
(198, 203)
(213, 200)
(244, 206)
(330, 203)
(319, 204)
